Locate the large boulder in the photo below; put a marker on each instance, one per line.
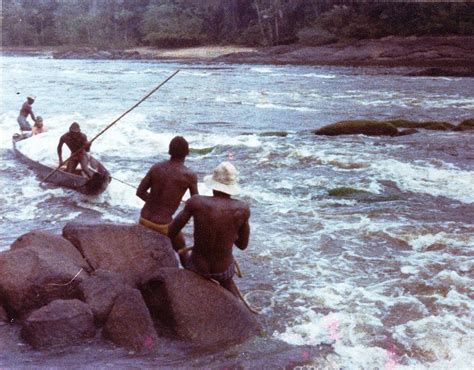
(133, 251)
(40, 268)
(42, 239)
(129, 323)
(100, 291)
(192, 308)
(61, 322)
(358, 127)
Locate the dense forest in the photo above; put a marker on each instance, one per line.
(173, 23)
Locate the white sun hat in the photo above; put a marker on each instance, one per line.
(223, 179)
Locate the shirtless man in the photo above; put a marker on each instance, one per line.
(25, 111)
(38, 127)
(79, 146)
(219, 223)
(167, 181)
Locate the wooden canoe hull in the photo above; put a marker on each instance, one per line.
(93, 186)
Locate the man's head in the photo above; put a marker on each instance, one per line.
(179, 148)
(74, 128)
(39, 121)
(224, 179)
(31, 99)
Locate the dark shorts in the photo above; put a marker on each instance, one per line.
(24, 124)
(219, 277)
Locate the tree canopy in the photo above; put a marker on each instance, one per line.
(174, 23)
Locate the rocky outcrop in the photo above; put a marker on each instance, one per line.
(194, 309)
(129, 324)
(425, 51)
(94, 53)
(61, 322)
(389, 127)
(132, 251)
(466, 125)
(41, 267)
(60, 298)
(358, 127)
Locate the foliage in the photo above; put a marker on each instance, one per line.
(123, 23)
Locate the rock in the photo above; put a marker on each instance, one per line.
(100, 291)
(438, 126)
(42, 239)
(129, 324)
(437, 71)
(39, 269)
(133, 251)
(3, 315)
(466, 125)
(61, 322)
(409, 131)
(358, 127)
(195, 309)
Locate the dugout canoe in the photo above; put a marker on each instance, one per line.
(76, 181)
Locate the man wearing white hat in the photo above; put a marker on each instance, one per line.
(25, 111)
(219, 223)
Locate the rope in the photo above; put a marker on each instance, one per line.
(70, 281)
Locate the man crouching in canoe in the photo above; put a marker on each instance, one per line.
(167, 181)
(79, 146)
(219, 223)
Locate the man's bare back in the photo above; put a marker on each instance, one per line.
(219, 223)
(167, 181)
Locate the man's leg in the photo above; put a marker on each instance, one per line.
(178, 244)
(84, 161)
(24, 124)
(230, 286)
(71, 165)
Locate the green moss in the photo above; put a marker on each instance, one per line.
(343, 191)
(201, 151)
(403, 123)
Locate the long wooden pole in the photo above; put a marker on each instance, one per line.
(111, 124)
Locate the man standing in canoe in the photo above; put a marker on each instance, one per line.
(79, 146)
(25, 111)
(168, 181)
(219, 223)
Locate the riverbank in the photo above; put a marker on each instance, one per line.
(438, 56)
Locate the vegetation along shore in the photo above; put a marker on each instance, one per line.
(439, 37)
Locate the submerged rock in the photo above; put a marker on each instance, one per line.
(40, 268)
(129, 324)
(190, 307)
(358, 127)
(133, 251)
(61, 322)
(466, 125)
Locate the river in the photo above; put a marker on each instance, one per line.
(385, 276)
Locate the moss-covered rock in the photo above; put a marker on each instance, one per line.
(466, 125)
(344, 191)
(428, 125)
(358, 127)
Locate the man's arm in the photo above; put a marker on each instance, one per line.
(60, 150)
(145, 184)
(180, 220)
(193, 189)
(244, 232)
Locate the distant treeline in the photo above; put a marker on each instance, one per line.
(173, 23)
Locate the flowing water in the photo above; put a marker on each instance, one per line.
(384, 275)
